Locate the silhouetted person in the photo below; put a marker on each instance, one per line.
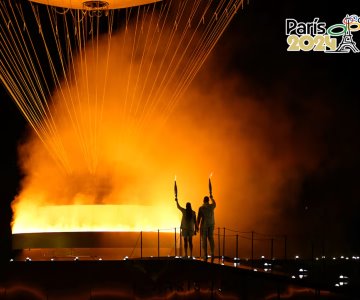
(206, 221)
(188, 225)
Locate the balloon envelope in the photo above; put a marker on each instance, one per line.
(81, 4)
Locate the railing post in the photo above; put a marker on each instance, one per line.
(175, 241)
(141, 247)
(180, 234)
(158, 244)
(252, 249)
(237, 246)
(224, 244)
(219, 243)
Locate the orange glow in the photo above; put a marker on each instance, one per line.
(77, 218)
(78, 4)
(119, 159)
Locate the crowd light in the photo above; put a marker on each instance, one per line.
(343, 280)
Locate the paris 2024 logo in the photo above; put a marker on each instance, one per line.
(317, 36)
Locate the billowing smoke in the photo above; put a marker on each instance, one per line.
(120, 151)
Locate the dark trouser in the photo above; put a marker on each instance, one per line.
(207, 233)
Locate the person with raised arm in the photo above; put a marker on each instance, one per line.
(188, 226)
(206, 222)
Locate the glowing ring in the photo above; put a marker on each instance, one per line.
(86, 4)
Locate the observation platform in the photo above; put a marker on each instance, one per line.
(148, 265)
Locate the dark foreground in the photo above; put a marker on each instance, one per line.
(160, 278)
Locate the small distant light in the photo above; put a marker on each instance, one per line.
(262, 256)
(265, 264)
(219, 290)
(100, 258)
(266, 270)
(357, 257)
(296, 256)
(316, 258)
(11, 259)
(323, 257)
(354, 257)
(301, 276)
(152, 256)
(52, 259)
(126, 257)
(342, 257)
(293, 277)
(347, 258)
(334, 258)
(28, 259)
(177, 256)
(341, 283)
(76, 258)
(222, 264)
(336, 284)
(255, 270)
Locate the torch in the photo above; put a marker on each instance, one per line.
(210, 186)
(175, 189)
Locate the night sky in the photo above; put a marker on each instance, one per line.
(318, 91)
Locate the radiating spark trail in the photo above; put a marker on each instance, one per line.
(61, 66)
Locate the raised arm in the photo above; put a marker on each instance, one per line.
(178, 205)
(213, 201)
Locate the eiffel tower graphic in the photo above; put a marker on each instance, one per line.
(347, 43)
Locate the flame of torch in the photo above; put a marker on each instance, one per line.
(175, 189)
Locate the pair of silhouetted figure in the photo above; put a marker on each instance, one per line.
(205, 221)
